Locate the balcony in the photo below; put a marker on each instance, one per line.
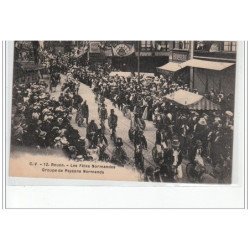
(217, 54)
(215, 50)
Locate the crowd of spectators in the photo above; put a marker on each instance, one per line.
(41, 121)
(212, 129)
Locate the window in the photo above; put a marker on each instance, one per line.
(181, 44)
(146, 45)
(230, 46)
(161, 45)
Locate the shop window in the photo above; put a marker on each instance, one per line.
(146, 45)
(162, 46)
(230, 46)
(181, 45)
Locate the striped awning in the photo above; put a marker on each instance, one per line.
(191, 101)
(184, 97)
(204, 104)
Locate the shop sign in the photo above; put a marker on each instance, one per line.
(144, 54)
(161, 53)
(180, 56)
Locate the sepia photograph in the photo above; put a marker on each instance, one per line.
(144, 111)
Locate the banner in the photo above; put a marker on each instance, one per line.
(122, 50)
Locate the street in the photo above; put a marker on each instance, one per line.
(122, 128)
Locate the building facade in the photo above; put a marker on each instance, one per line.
(205, 65)
(123, 55)
(221, 52)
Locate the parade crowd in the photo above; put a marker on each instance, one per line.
(41, 121)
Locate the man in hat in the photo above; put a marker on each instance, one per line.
(52, 134)
(217, 147)
(57, 143)
(112, 122)
(77, 100)
(201, 131)
(72, 134)
(85, 111)
(140, 139)
(172, 160)
(61, 98)
(119, 155)
(103, 113)
(17, 133)
(91, 133)
(197, 149)
(140, 143)
(93, 152)
(79, 158)
(81, 147)
(71, 152)
(228, 120)
(42, 141)
(67, 101)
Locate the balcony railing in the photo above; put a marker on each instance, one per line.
(215, 54)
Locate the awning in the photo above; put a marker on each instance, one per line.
(203, 64)
(192, 101)
(170, 67)
(184, 97)
(204, 104)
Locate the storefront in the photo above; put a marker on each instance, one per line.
(149, 62)
(128, 63)
(124, 56)
(207, 75)
(176, 71)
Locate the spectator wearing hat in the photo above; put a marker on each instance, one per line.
(112, 122)
(103, 113)
(81, 147)
(140, 139)
(201, 131)
(42, 141)
(91, 132)
(77, 100)
(172, 159)
(85, 111)
(196, 149)
(217, 147)
(17, 134)
(119, 155)
(57, 143)
(93, 152)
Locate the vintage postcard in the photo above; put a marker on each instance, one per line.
(146, 111)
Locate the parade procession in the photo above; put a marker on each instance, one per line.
(164, 109)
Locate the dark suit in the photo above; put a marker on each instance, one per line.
(169, 158)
